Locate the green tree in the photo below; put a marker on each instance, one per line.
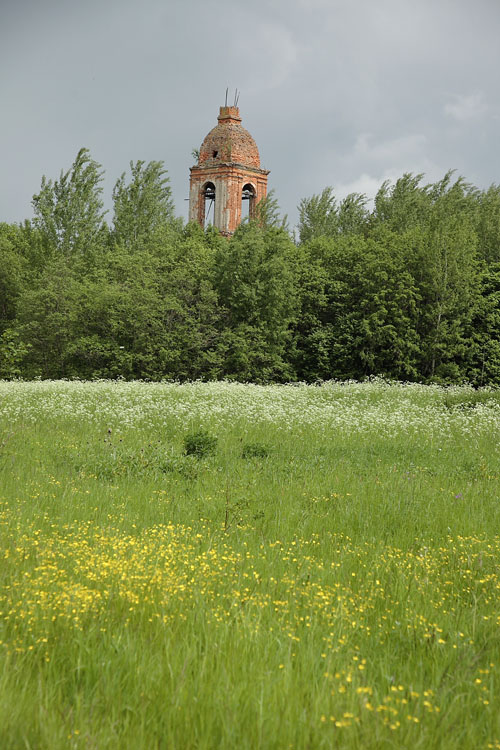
(488, 225)
(13, 273)
(353, 214)
(322, 216)
(69, 211)
(403, 205)
(448, 277)
(142, 206)
(152, 314)
(358, 308)
(267, 213)
(12, 353)
(255, 285)
(381, 313)
(46, 319)
(319, 295)
(318, 216)
(190, 307)
(483, 352)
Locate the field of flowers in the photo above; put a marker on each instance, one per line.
(328, 576)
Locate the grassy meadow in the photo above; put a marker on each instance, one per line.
(325, 575)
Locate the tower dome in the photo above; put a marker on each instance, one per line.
(229, 142)
(228, 175)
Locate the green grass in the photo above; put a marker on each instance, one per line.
(327, 577)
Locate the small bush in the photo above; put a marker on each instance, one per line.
(200, 444)
(255, 450)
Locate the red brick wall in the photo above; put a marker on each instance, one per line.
(229, 158)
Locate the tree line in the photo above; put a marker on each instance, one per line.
(408, 289)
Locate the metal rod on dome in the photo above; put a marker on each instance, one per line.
(227, 91)
(237, 98)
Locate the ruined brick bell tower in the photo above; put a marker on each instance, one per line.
(227, 174)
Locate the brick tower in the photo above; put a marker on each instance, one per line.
(228, 172)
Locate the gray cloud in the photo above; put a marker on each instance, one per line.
(467, 107)
(336, 92)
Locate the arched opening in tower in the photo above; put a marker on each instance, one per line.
(208, 203)
(248, 202)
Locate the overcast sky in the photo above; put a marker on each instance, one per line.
(345, 93)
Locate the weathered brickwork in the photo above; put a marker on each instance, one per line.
(228, 168)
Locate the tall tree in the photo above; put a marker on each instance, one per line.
(255, 284)
(448, 277)
(403, 205)
(46, 319)
(482, 363)
(13, 273)
(318, 216)
(488, 224)
(13, 280)
(267, 213)
(69, 211)
(358, 308)
(143, 205)
(353, 214)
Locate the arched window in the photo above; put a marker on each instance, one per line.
(208, 203)
(248, 202)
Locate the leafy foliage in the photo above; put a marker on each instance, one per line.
(200, 444)
(142, 206)
(69, 211)
(408, 290)
(255, 450)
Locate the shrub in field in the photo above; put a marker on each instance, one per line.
(255, 450)
(200, 443)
